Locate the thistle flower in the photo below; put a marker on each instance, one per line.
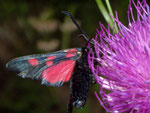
(121, 63)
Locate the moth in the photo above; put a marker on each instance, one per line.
(56, 68)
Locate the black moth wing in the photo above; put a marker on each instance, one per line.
(32, 66)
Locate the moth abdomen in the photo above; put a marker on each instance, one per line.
(80, 82)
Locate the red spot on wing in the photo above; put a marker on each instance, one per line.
(71, 50)
(51, 57)
(49, 63)
(60, 72)
(70, 55)
(33, 61)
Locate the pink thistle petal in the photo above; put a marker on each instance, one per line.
(121, 63)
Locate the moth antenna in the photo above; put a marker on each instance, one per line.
(88, 40)
(85, 36)
(82, 35)
(81, 30)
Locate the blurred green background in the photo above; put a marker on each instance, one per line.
(38, 26)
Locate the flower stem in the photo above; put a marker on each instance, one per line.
(109, 19)
(111, 13)
(103, 10)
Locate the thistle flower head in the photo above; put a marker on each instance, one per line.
(121, 63)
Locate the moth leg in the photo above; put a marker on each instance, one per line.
(92, 79)
(70, 106)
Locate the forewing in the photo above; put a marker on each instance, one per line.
(46, 66)
(58, 74)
